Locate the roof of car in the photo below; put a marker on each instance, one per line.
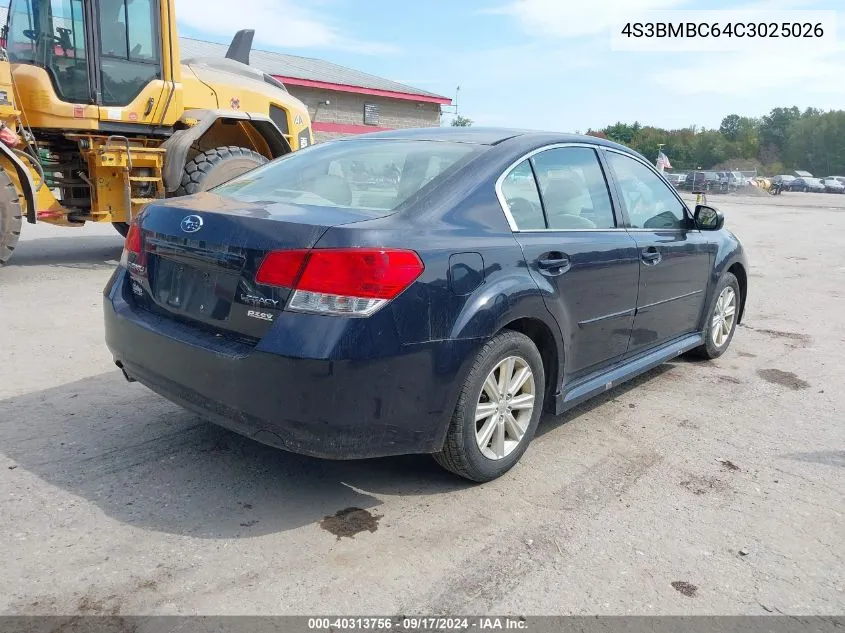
(486, 136)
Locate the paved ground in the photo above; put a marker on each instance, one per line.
(728, 476)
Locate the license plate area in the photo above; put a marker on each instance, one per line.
(192, 290)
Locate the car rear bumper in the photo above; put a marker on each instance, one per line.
(336, 409)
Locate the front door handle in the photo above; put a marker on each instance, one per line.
(554, 264)
(651, 256)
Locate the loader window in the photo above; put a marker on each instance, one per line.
(130, 53)
(51, 34)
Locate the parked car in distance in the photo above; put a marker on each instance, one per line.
(676, 179)
(738, 180)
(299, 310)
(731, 179)
(832, 184)
(783, 181)
(703, 181)
(807, 185)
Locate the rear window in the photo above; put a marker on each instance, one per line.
(367, 175)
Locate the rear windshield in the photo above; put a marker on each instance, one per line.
(376, 175)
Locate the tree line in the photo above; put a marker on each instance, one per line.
(783, 140)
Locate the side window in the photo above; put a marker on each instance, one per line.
(130, 49)
(573, 188)
(649, 201)
(520, 192)
(51, 35)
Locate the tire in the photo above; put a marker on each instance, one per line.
(216, 166)
(461, 453)
(713, 347)
(121, 227)
(11, 217)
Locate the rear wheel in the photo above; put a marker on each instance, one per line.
(11, 215)
(121, 227)
(498, 409)
(216, 166)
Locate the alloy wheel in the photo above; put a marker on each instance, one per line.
(724, 316)
(504, 408)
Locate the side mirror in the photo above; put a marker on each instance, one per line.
(707, 218)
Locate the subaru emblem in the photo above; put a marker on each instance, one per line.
(191, 223)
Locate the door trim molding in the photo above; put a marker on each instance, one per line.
(630, 312)
(662, 301)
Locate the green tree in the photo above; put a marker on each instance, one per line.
(748, 138)
(784, 139)
(461, 121)
(817, 144)
(774, 128)
(709, 148)
(622, 132)
(730, 126)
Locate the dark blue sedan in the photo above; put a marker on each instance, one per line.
(501, 274)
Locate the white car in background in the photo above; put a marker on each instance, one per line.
(675, 179)
(739, 180)
(834, 184)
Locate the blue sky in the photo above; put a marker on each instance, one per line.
(543, 64)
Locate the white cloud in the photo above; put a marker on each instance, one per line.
(277, 23)
(575, 18)
(727, 74)
(816, 71)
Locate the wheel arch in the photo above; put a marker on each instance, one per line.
(513, 301)
(206, 129)
(21, 177)
(738, 271)
(544, 339)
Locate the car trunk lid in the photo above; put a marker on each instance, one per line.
(200, 255)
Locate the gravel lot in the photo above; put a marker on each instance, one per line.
(701, 488)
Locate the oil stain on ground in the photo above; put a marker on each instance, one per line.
(349, 522)
(783, 378)
(688, 589)
(699, 485)
(799, 339)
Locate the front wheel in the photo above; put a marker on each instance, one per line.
(498, 409)
(11, 215)
(216, 166)
(722, 318)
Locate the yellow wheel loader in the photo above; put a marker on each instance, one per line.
(98, 114)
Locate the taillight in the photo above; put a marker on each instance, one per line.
(341, 281)
(281, 268)
(133, 245)
(133, 239)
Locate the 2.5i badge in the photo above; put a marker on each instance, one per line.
(264, 316)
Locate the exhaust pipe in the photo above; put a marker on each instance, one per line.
(123, 369)
(241, 46)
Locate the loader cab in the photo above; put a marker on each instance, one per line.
(100, 52)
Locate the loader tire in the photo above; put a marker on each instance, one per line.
(11, 214)
(121, 227)
(216, 166)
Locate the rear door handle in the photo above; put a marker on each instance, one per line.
(651, 256)
(555, 264)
